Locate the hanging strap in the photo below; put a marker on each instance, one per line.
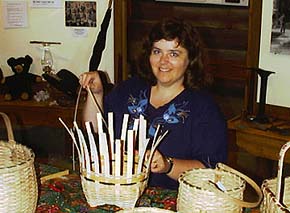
(223, 167)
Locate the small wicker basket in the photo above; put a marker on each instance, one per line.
(274, 200)
(214, 190)
(18, 185)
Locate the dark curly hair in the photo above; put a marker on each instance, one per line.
(187, 37)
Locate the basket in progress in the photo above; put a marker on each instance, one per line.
(277, 198)
(120, 191)
(18, 185)
(214, 190)
(114, 171)
(145, 210)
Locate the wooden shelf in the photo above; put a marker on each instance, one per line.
(258, 139)
(44, 113)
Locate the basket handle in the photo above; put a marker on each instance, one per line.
(252, 183)
(8, 127)
(282, 153)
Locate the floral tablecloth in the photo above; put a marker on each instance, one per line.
(65, 194)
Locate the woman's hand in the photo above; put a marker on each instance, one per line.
(93, 81)
(159, 164)
(172, 167)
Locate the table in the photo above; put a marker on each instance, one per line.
(65, 195)
(263, 141)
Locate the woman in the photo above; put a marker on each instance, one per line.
(168, 91)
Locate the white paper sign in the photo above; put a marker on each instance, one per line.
(45, 3)
(80, 32)
(15, 14)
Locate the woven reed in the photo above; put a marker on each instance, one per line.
(197, 194)
(18, 185)
(146, 210)
(120, 191)
(271, 202)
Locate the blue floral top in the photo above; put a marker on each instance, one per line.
(197, 128)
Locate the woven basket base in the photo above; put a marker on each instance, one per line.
(124, 196)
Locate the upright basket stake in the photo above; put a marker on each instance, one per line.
(124, 127)
(130, 153)
(111, 132)
(118, 158)
(142, 132)
(104, 149)
(87, 163)
(93, 148)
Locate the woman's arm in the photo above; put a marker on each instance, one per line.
(173, 167)
(91, 80)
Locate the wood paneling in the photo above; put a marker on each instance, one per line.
(224, 30)
(231, 36)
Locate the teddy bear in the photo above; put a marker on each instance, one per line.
(19, 85)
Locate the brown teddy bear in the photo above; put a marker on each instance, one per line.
(19, 85)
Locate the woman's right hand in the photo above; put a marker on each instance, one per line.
(91, 80)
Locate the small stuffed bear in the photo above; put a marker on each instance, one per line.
(19, 85)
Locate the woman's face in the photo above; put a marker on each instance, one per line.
(169, 62)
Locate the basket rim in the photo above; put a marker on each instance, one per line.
(111, 179)
(29, 159)
(268, 192)
(183, 176)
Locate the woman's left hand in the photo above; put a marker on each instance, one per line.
(159, 164)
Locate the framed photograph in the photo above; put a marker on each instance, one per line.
(280, 35)
(274, 51)
(80, 14)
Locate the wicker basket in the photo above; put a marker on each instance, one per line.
(214, 190)
(120, 191)
(274, 201)
(18, 185)
(111, 170)
(145, 210)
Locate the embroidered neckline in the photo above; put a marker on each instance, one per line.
(174, 112)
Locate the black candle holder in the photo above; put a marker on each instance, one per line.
(261, 117)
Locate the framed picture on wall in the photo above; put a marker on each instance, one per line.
(280, 35)
(80, 14)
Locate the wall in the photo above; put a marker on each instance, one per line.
(278, 83)
(47, 24)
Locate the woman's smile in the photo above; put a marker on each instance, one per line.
(169, 61)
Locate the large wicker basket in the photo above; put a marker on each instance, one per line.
(276, 197)
(214, 190)
(18, 185)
